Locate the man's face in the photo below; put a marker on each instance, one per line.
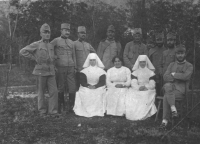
(82, 35)
(45, 35)
(137, 37)
(110, 34)
(159, 42)
(180, 56)
(65, 33)
(170, 43)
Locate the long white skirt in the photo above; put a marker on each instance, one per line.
(90, 102)
(115, 101)
(140, 104)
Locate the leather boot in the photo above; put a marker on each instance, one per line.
(60, 101)
(71, 101)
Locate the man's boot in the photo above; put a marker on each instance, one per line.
(60, 101)
(71, 101)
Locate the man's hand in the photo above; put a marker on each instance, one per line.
(91, 87)
(119, 86)
(173, 73)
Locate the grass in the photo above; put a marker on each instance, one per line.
(17, 77)
(21, 124)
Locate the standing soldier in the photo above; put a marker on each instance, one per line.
(155, 55)
(66, 65)
(82, 49)
(168, 55)
(43, 53)
(109, 48)
(134, 48)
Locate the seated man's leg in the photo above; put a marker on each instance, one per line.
(168, 103)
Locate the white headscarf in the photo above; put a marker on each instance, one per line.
(149, 65)
(93, 56)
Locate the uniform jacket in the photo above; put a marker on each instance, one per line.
(107, 50)
(43, 54)
(168, 56)
(155, 56)
(131, 53)
(65, 52)
(183, 72)
(82, 49)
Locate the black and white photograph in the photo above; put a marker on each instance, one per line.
(99, 71)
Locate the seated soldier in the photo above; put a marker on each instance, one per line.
(177, 75)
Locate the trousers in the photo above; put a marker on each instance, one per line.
(170, 95)
(66, 75)
(48, 82)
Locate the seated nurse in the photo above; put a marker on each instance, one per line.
(141, 95)
(90, 97)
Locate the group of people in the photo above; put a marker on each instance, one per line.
(97, 81)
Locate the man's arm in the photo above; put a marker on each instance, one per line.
(29, 51)
(125, 57)
(99, 51)
(74, 55)
(168, 76)
(185, 75)
(119, 49)
(92, 50)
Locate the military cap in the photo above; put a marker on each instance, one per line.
(45, 27)
(180, 48)
(65, 26)
(171, 35)
(159, 35)
(81, 29)
(111, 28)
(137, 31)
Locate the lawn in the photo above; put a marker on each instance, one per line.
(21, 124)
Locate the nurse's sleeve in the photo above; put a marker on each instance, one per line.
(151, 84)
(134, 82)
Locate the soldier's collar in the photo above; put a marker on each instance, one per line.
(45, 41)
(80, 40)
(181, 62)
(139, 43)
(63, 37)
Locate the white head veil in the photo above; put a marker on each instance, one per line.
(93, 56)
(149, 65)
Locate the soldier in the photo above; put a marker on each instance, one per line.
(134, 48)
(66, 65)
(109, 48)
(176, 77)
(82, 49)
(155, 55)
(168, 55)
(43, 53)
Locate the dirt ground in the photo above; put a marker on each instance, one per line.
(21, 124)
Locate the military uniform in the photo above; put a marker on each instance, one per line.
(168, 56)
(66, 65)
(133, 50)
(43, 53)
(108, 49)
(82, 50)
(155, 55)
(176, 77)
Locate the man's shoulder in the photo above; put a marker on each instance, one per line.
(188, 63)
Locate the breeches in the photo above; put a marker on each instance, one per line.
(170, 95)
(65, 75)
(50, 83)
